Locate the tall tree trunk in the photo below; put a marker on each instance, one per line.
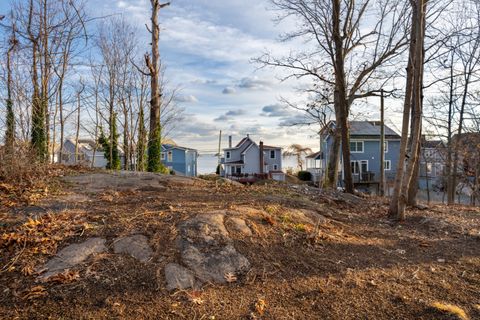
(394, 210)
(77, 133)
(416, 102)
(449, 169)
(333, 160)
(341, 100)
(10, 130)
(155, 134)
(382, 145)
(38, 111)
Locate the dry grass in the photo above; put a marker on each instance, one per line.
(355, 266)
(451, 309)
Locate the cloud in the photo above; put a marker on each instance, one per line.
(204, 81)
(186, 98)
(229, 90)
(195, 128)
(294, 119)
(254, 83)
(233, 113)
(230, 115)
(275, 110)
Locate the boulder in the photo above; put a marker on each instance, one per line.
(207, 250)
(136, 246)
(73, 255)
(178, 277)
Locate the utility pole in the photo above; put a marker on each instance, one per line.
(382, 144)
(219, 147)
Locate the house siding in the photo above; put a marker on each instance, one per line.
(252, 160)
(371, 153)
(270, 162)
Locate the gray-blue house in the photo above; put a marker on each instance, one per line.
(179, 159)
(364, 151)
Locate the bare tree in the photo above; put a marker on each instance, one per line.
(153, 65)
(350, 41)
(412, 103)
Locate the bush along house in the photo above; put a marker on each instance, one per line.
(364, 152)
(248, 162)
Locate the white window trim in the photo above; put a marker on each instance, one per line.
(170, 156)
(228, 154)
(361, 164)
(274, 154)
(357, 141)
(352, 165)
(385, 148)
(389, 165)
(162, 156)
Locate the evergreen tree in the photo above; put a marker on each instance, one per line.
(111, 148)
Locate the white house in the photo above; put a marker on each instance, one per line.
(250, 160)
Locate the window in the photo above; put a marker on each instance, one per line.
(387, 165)
(356, 146)
(359, 166)
(355, 167)
(385, 146)
(275, 167)
(272, 154)
(170, 156)
(162, 156)
(363, 165)
(227, 154)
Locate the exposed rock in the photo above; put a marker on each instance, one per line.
(178, 277)
(229, 182)
(151, 188)
(238, 225)
(136, 246)
(307, 216)
(207, 250)
(73, 255)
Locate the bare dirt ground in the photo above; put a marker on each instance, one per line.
(311, 255)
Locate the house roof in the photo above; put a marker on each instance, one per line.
(432, 144)
(166, 146)
(314, 155)
(369, 128)
(246, 143)
(365, 129)
(271, 147)
(235, 162)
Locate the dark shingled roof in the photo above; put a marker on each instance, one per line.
(369, 128)
(432, 144)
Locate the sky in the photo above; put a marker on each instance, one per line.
(207, 47)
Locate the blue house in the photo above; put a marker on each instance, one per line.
(181, 160)
(364, 152)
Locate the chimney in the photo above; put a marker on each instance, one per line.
(262, 164)
(229, 141)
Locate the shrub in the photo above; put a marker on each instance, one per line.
(304, 175)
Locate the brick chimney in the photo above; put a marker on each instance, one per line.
(229, 141)
(262, 164)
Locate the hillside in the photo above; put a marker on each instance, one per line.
(147, 246)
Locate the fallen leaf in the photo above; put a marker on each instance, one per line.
(230, 277)
(35, 292)
(260, 306)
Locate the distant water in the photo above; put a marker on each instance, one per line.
(207, 163)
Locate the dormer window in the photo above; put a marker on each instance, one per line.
(227, 154)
